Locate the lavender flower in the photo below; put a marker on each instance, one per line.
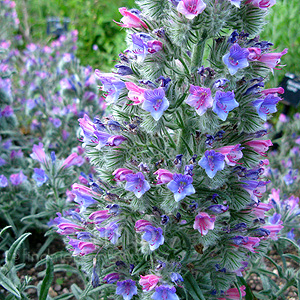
(266, 106)
(17, 179)
(165, 292)
(137, 184)
(111, 85)
(111, 231)
(154, 236)
(155, 102)
(126, 288)
(212, 162)
(200, 98)
(224, 103)
(40, 176)
(3, 181)
(236, 58)
(181, 186)
(191, 8)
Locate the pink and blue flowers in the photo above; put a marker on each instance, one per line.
(212, 162)
(181, 186)
(199, 98)
(154, 236)
(236, 58)
(224, 103)
(155, 102)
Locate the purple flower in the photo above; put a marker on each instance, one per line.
(275, 219)
(212, 162)
(236, 58)
(165, 292)
(73, 160)
(111, 278)
(38, 153)
(224, 103)
(154, 236)
(7, 111)
(290, 177)
(291, 235)
(112, 85)
(176, 277)
(200, 98)
(155, 102)
(126, 288)
(218, 208)
(191, 8)
(83, 196)
(266, 106)
(2, 162)
(137, 184)
(111, 231)
(3, 181)
(255, 188)
(40, 176)
(18, 178)
(56, 122)
(181, 186)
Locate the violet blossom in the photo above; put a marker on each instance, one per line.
(212, 162)
(155, 102)
(137, 184)
(224, 103)
(181, 186)
(199, 98)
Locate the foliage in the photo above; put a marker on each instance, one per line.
(94, 27)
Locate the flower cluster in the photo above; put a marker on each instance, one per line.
(181, 157)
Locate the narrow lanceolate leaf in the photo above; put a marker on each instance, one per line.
(192, 287)
(47, 281)
(9, 285)
(4, 229)
(12, 252)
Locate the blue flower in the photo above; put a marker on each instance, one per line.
(111, 231)
(236, 58)
(181, 186)
(126, 288)
(3, 181)
(112, 85)
(40, 176)
(165, 292)
(154, 236)
(212, 162)
(291, 235)
(266, 106)
(136, 183)
(155, 102)
(176, 277)
(224, 103)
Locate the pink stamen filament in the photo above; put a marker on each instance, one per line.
(181, 186)
(157, 104)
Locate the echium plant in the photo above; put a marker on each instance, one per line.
(180, 159)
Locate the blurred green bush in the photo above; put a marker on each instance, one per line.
(92, 19)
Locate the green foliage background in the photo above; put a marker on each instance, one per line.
(92, 19)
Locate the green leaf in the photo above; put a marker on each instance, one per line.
(192, 287)
(292, 256)
(279, 268)
(12, 252)
(9, 286)
(4, 229)
(47, 281)
(139, 267)
(249, 294)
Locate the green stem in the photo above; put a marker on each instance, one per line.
(197, 54)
